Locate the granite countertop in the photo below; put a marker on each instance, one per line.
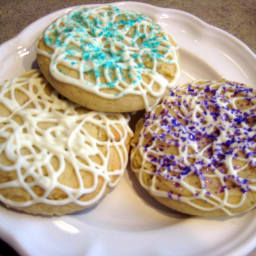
(237, 17)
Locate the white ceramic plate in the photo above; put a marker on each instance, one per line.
(128, 221)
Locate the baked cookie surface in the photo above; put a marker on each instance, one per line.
(55, 156)
(196, 151)
(108, 59)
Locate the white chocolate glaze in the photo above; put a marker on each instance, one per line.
(37, 127)
(110, 45)
(212, 126)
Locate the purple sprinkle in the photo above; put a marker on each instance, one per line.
(186, 170)
(173, 163)
(166, 162)
(229, 152)
(207, 88)
(215, 115)
(183, 139)
(244, 181)
(175, 122)
(239, 119)
(243, 190)
(201, 176)
(191, 137)
(253, 138)
(210, 136)
(250, 154)
(223, 189)
(146, 124)
(154, 116)
(229, 142)
(220, 156)
(213, 92)
(177, 144)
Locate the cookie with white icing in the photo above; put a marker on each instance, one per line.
(108, 59)
(55, 156)
(196, 151)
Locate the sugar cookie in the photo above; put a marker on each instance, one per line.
(55, 156)
(196, 151)
(108, 59)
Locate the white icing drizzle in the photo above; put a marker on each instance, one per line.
(220, 113)
(97, 41)
(66, 139)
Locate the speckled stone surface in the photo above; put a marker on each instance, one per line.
(237, 17)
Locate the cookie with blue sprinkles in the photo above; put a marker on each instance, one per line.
(108, 59)
(195, 152)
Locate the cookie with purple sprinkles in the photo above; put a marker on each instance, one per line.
(196, 151)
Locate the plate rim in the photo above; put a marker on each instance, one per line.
(7, 45)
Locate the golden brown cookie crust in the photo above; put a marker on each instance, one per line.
(127, 103)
